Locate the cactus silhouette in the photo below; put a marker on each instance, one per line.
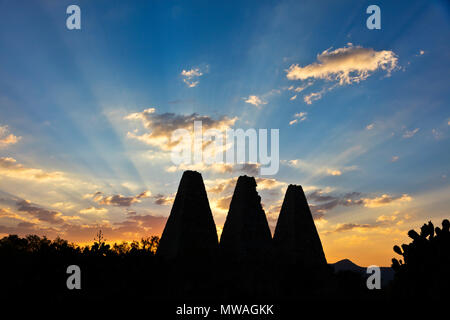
(426, 260)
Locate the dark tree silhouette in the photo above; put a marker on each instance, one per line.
(33, 267)
(426, 261)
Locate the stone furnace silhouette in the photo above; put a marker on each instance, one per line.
(190, 231)
(296, 239)
(246, 233)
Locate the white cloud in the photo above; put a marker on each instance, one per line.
(301, 116)
(190, 76)
(370, 126)
(300, 88)
(350, 64)
(437, 134)
(255, 100)
(318, 169)
(410, 133)
(313, 96)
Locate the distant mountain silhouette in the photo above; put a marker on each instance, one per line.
(387, 273)
(347, 265)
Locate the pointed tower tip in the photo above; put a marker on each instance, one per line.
(295, 187)
(246, 180)
(191, 173)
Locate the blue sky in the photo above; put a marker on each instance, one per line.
(65, 96)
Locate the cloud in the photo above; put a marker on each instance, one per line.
(189, 77)
(301, 116)
(117, 200)
(161, 126)
(334, 172)
(227, 186)
(163, 200)
(300, 88)
(313, 96)
(323, 202)
(136, 221)
(11, 168)
(134, 227)
(251, 169)
(218, 186)
(255, 100)
(201, 166)
(437, 134)
(395, 158)
(223, 203)
(63, 205)
(317, 169)
(370, 126)
(269, 184)
(345, 65)
(410, 133)
(384, 200)
(383, 221)
(293, 97)
(53, 217)
(7, 138)
(94, 211)
(351, 226)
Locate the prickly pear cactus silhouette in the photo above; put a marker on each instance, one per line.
(422, 271)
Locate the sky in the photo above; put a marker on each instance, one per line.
(86, 116)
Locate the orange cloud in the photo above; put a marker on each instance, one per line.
(11, 168)
(7, 138)
(345, 65)
(384, 200)
(117, 200)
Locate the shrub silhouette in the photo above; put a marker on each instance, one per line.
(35, 266)
(426, 260)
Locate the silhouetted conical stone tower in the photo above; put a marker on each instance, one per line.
(246, 234)
(190, 231)
(296, 239)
